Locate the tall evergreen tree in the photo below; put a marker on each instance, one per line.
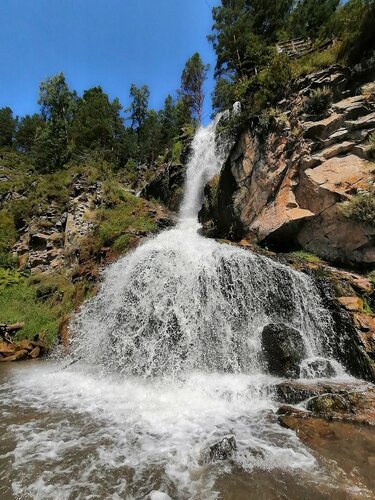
(58, 105)
(139, 105)
(192, 80)
(27, 130)
(97, 123)
(7, 127)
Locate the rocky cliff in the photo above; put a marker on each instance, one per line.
(294, 184)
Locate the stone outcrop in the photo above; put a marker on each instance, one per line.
(287, 187)
(52, 240)
(339, 402)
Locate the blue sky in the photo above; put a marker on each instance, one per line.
(111, 43)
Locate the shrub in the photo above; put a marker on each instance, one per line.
(362, 207)
(318, 100)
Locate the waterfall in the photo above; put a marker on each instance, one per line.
(169, 362)
(181, 302)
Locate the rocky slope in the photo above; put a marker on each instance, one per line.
(287, 187)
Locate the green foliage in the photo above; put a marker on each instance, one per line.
(176, 152)
(127, 216)
(310, 63)
(19, 303)
(97, 124)
(307, 256)
(318, 100)
(58, 104)
(192, 80)
(223, 95)
(362, 207)
(310, 16)
(139, 105)
(243, 31)
(121, 243)
(8, 236)
(27, 131)
(7, 127)
(354, 25)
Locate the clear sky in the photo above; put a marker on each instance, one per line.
(111, 43)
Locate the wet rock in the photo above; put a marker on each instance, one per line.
(307, 428)
(166, 185)
(350, 406)
(290, 410)
(297, 391)
(283, 349)
(221, 450)
(318, 368)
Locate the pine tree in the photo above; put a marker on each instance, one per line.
(7, 127)
(192, 80)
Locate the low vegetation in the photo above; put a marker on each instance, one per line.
(361, 207)
(318, 100)
(306, 256)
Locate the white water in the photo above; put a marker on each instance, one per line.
(172, 361)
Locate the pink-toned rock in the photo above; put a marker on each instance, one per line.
(363, 284)
(351, 303)
(365, 322)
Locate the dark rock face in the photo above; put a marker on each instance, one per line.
(283, 349)
(321, 368)
(346, 343)
(166, 186)
(296, 391)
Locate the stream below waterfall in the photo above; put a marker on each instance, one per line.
(167, 360)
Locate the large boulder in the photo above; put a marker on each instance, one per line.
(283, 349)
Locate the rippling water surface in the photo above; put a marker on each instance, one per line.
(70, 433)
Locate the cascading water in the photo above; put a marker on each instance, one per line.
(168, 359)
(181, 302)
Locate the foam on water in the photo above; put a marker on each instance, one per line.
(133, 425)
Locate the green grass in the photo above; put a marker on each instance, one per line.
(314, 62)
(307, 256)
(129, 215)
(19, 303)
